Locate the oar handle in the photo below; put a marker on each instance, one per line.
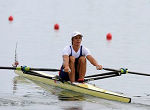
(109, 69)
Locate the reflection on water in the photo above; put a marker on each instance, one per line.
(18, 80)
(62, 94)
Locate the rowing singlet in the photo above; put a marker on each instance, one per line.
(70, 52)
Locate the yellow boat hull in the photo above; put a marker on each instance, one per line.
(84, 88)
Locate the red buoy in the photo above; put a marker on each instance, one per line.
(10, 18)
(56, 26)
(109, 36)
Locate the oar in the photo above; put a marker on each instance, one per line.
(124, 71)
(25, 68)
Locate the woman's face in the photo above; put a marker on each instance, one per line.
(77, 40)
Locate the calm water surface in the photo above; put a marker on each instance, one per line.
(39, 45)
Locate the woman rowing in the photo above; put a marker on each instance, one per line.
(74, 60)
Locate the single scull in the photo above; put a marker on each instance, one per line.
(84, 88)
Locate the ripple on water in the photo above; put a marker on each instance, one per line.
(26, 100)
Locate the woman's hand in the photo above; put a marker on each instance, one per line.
(99, 67)
(67, 69)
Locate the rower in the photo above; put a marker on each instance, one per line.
(74, 60)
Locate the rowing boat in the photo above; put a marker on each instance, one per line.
(84, 88)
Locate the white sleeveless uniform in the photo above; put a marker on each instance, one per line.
(67, 51)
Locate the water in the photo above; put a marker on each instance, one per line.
(39, 45)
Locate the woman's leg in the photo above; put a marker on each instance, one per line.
(81, 68)
(72, 67)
